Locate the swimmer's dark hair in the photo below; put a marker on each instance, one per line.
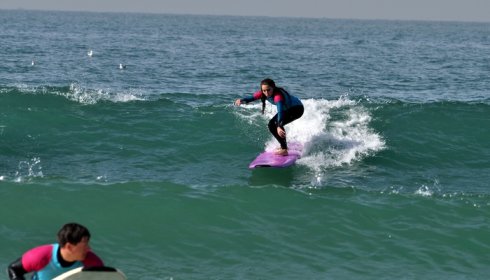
(72, 233)
(263, 98)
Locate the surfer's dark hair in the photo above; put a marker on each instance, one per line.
(270, 82)
(72, 233)
(267, 82)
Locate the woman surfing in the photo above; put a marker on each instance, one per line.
(289, 108)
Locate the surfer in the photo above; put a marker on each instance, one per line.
(49, 261)
(289, 108)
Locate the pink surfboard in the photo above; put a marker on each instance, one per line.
(270, 159)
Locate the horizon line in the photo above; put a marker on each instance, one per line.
(235, 15)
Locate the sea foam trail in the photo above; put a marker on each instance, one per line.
(84, 95)
(80, 94)
(333, 132)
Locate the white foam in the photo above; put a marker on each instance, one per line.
(343, 139)
(86, 96)
(424, 191)
(28, 169)
(83, 95)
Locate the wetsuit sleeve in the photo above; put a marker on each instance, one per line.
(16, 271)
(254, 97)
(92, 260)
(280, 113)
(37, 258)
(280, 103)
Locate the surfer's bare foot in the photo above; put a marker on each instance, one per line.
(281, 152)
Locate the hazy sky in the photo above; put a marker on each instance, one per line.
(454, 10)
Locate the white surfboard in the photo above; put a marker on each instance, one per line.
(92, 273)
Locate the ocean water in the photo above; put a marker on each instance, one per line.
(394, 181)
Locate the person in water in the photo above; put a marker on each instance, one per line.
(49, 261)
(289, 108)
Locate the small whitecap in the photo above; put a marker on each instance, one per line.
(424, 191)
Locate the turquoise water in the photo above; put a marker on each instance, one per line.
(393, 183)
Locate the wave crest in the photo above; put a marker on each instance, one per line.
(80, 94)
